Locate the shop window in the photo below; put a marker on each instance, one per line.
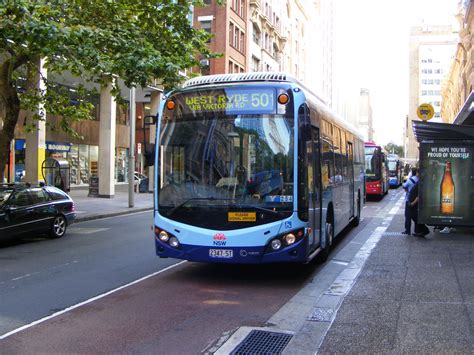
(121, 165)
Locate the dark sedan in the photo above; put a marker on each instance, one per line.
(28, 209)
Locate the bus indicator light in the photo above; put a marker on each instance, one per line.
(170, 105)
(283, 99)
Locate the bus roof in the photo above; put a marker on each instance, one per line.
(255, 77)
(371, 144)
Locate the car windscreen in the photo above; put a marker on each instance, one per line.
(4, 196)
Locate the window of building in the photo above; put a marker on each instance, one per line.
(256, 35)
(231, 33)
(242, 42)
(255, 64)
(238, 6)
(231, 67)
(207, 26)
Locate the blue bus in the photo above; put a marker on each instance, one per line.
(253, 168)
(395, 170)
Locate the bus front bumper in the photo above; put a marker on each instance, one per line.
(233, 255)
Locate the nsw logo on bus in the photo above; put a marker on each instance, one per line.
(219, 239)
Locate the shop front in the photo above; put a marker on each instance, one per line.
(83, 160)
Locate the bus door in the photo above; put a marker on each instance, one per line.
(350, 173)
(314, 188)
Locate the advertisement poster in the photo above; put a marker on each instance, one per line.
(447, 183)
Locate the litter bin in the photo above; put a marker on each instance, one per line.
(143, 185)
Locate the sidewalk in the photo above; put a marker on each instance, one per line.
(414, 295)
(384, 292)
(89, 208)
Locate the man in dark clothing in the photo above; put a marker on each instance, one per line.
(407, 186)
(420, 229)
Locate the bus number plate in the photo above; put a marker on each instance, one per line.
(221, 253)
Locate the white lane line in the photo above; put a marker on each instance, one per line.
(46, 270)
(3, 336)
(24, 276)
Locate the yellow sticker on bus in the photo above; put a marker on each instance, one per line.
(242, 217)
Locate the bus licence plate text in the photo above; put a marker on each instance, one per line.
(221, 253)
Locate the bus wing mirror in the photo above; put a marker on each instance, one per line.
(149, 120)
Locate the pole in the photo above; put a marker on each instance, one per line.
(131, 150)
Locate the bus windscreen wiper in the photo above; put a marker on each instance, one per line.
(258, 208)
(170, 212)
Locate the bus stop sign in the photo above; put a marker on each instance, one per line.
(425, 112)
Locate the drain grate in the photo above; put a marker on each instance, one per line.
(262, 342)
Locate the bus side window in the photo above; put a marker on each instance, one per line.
(327, 164)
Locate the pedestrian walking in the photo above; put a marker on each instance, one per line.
(420, 229)
(407, 186)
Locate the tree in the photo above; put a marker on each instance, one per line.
(97, 40)
(394, 149)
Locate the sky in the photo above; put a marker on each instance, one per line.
(372, 38)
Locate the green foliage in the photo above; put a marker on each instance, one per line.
(394, 149)
(100, 40)
(96, 40)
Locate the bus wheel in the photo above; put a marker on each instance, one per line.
(328, 237)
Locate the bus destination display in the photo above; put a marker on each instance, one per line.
(231, 101)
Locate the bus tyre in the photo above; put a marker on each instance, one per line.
(328, 237)
(58, 227)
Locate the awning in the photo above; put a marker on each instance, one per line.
(434, 131)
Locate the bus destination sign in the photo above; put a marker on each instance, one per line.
(231, 101)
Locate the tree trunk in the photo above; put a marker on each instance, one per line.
(11, 103)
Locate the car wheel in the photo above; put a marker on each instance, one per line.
(58, 228)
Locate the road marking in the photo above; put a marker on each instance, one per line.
(24, 276)
(82, 230)
(6, 335)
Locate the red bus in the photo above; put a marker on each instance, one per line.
(376, 170)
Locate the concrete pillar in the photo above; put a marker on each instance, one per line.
(107, 142)
(36, 139)
(154, 106)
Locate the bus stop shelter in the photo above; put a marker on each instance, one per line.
(446, 173)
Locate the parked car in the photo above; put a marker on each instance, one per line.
(26, 209)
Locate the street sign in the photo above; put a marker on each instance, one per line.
(139, 148)
(425, 112)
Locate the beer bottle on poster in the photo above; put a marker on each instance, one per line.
(447, 191)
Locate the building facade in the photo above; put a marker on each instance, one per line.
(430, 53)
(265, 41)
(100, 147)
(228, 24)
(365, 121)
(459, 83)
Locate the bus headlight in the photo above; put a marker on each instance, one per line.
(174, 242)
(276, 244)
(289, 238)
(163, 236)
